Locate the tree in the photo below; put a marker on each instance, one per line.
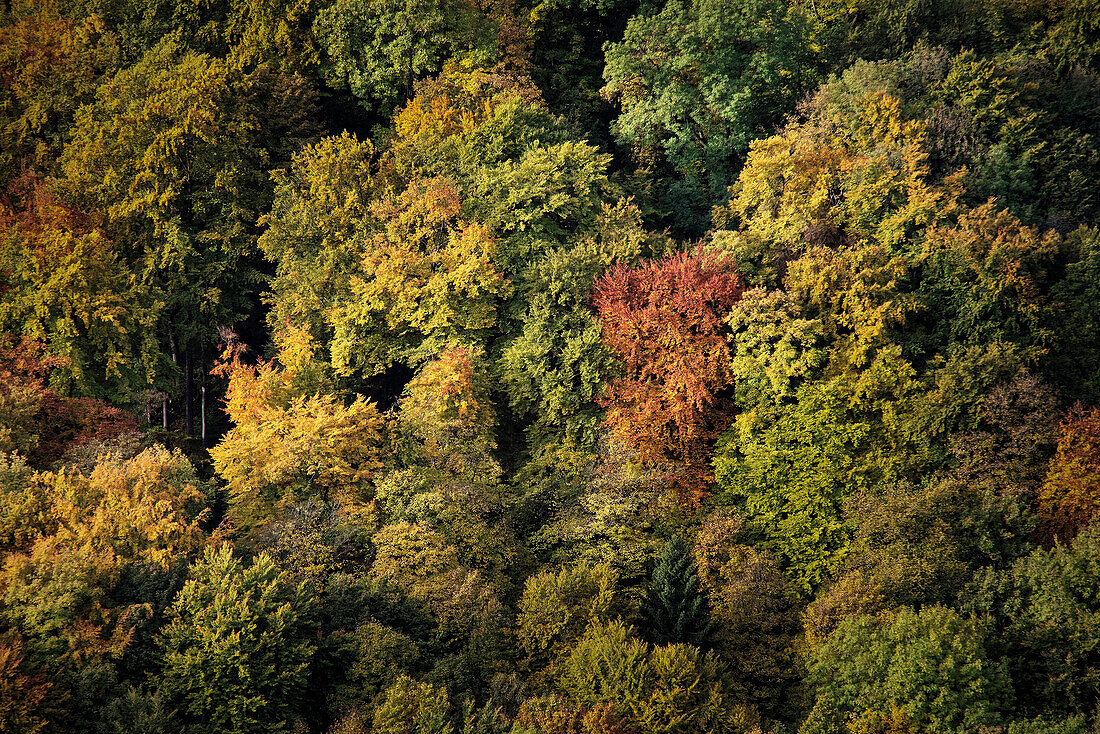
(1069, 498)
(1073, 365)
(180, 182)
(556, 608)
(555, 368)
(931, 665)
(853, 174)
(672, 688)
(379, 48)
(664, 320)
(675, 610)
(984, 280)
(428, 282)
(21, 692)
(174, 152)
(696, 83)
(559, 715)
(754, 613)
(70, 286)
(51, 64)
(793, 473)
(320, 202)
(90, 560)
(287, 447)
(1051, 613)
(410, 707)
(277, 33)
(236, 649)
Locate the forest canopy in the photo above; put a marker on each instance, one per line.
(549, 366)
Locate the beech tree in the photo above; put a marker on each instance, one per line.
(1070, 496)
(696, 83)
(664, 321)
(237, 648)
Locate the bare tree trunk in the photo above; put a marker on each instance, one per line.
(172, 340)
(188, 393)
(202, 392)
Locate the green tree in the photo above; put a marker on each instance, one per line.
(379, 48)
(410, 707)
(794, 476)
(931, 665)
(174, 152)
(555, 368)
(696, 83)
(237, 647)
(426, 282)
(672, 688)
(1052, 613)
(1073, 365)
(320, 201)
(675, 609)
(556, 608)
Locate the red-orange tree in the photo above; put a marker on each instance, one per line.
(665, 322)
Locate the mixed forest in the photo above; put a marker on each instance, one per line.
(550, 366)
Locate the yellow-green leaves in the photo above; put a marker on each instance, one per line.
(315, 446)
(426, 282)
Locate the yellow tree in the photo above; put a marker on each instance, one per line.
(289, 445)
(82, 542)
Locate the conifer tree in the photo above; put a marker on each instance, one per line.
(675, 610)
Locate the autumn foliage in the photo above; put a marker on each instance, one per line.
(37, 422)
(1070, 497)
(664, 321)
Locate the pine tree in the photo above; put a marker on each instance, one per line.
(675, 610)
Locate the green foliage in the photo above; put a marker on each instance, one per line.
(410, 707)
(174, 152)
(379, 48)
(68, 285)
(318, 204)
(673, 688)
(931, 665)
(1053, 610)
(486, 391)
(236, 649)
(793, 476)
(1073, 365)
(554, 370)
(696, 83)
(675, 609)
(754, 614)
(556, 608)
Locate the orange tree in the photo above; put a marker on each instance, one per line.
(664, 321)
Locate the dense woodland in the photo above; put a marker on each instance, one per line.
(550, 366)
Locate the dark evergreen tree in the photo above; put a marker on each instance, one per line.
(675, 609)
